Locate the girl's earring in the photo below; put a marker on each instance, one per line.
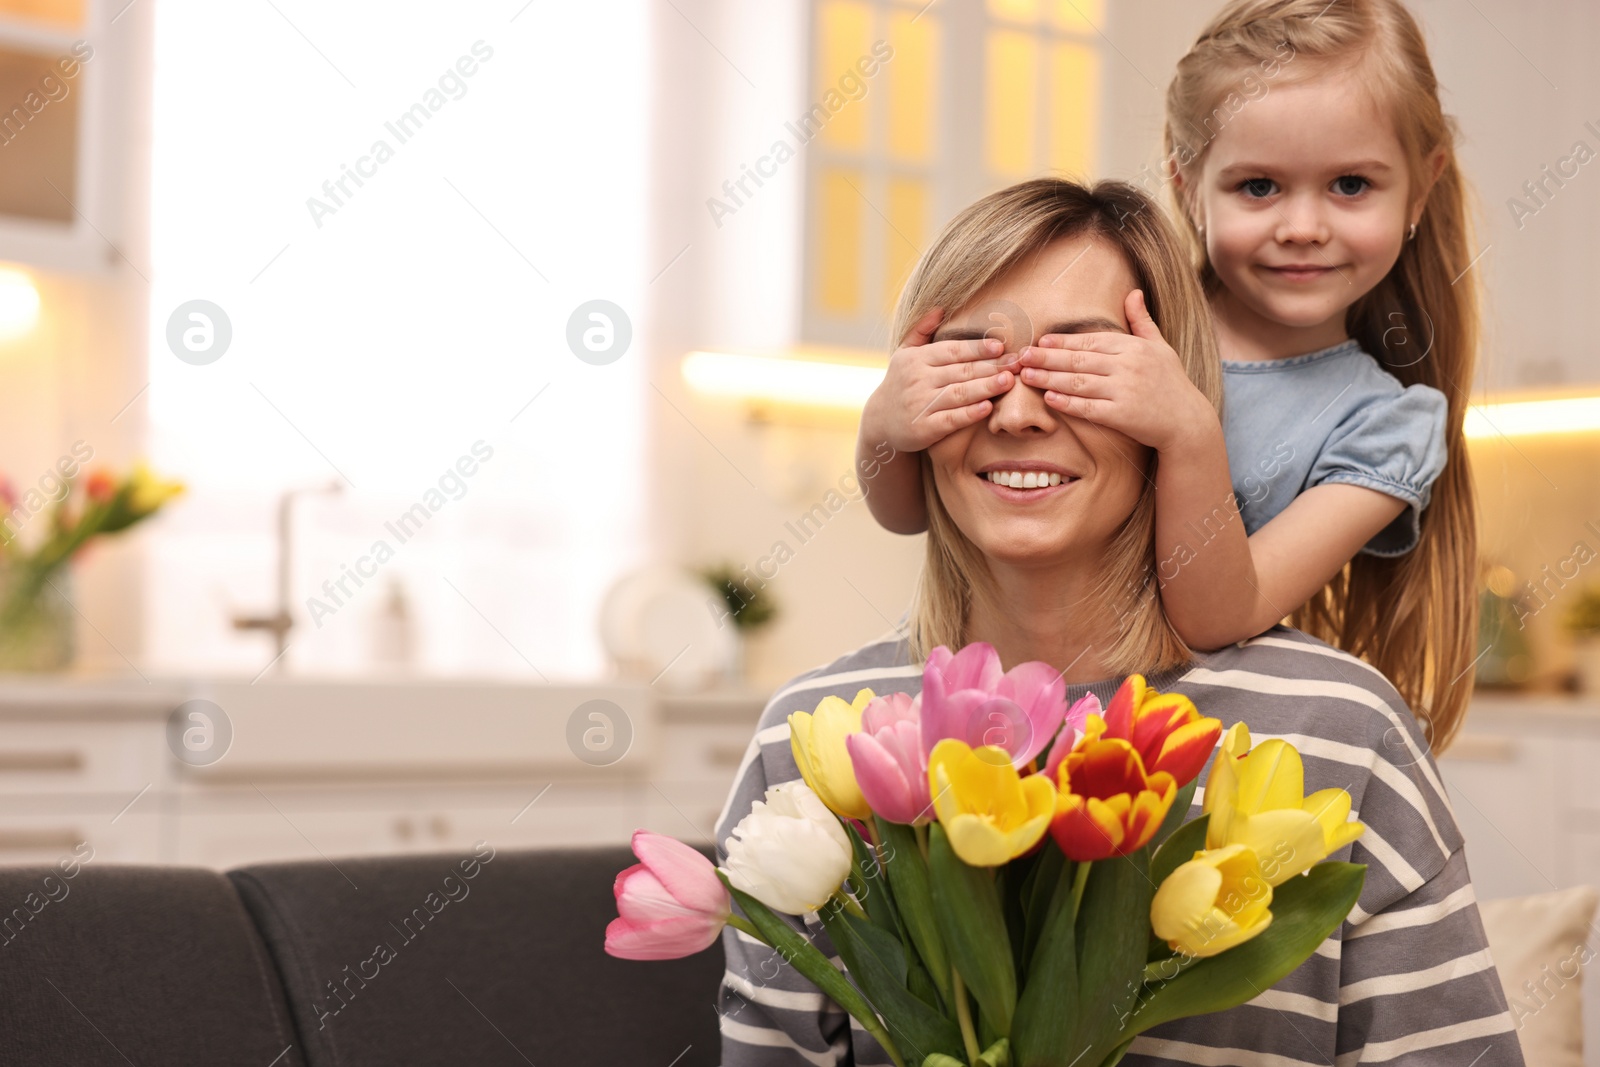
(1413, 232)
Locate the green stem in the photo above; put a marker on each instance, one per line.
(848, 903)
(969, 1037)
(740, 923)
(922, 840)
(1079, 877)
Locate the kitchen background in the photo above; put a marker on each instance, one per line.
(479, 335)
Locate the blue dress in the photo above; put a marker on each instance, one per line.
(1333, 416)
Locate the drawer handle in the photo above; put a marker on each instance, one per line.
(726, 755)
(34, 840)
(60, 761)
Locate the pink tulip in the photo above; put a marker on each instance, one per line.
(1071, 731)
(888, 760)
(670, 905)
(965, 695)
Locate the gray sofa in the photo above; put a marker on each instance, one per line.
(486, 959)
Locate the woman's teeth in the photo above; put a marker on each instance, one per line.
(1024, 479)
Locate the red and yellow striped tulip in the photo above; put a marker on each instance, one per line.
(1107, 804)
(1167, 729)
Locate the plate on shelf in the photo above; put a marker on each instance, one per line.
(657, 625)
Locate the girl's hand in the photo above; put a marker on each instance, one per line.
(933, 389)
(1132, 383)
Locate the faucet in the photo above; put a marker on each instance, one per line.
(281, 621)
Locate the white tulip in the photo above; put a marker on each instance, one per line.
(790, 852)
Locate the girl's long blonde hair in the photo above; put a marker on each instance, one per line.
(979, 245)
(1414, 617)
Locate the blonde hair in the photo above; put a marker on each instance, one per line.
(1414, 617)
(975, 248)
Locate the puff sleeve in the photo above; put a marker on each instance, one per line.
(1394, 444)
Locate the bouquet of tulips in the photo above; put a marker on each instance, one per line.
(1011, 881)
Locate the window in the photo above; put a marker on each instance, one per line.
(916, 110)
(381, 327)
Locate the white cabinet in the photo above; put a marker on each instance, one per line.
(1520, 778)
(320, 769)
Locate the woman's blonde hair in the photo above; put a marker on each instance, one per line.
(978, 246)
(1414, 617)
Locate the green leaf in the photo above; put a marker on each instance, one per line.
(1178, 849)
(974, 929)
(1113, 939)
(876, 961)
(1045, 1029)
(908, 877)
(1047, 874)
(939, 1059)
(1175, 814)
(872, 889)
(806, 958)
(996, 1055)
(1306, 910)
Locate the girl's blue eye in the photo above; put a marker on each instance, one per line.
(1350, 184)
(1256, 187)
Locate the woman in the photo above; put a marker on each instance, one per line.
(1408, 979)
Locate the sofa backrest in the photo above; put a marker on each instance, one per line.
(104, 964)
(484, 957)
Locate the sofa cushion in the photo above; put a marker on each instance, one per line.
(1540, 945)
(106, 964)
(485, 957)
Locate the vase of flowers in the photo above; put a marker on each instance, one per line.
(36, 613)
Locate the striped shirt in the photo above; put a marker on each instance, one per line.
(1406, 981)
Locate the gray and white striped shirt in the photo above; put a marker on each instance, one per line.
(1407, 981)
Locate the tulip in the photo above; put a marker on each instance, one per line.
(100, 486)
(1255, 797)
(669, 905)
(150, 492)
(790, 853)
(990, 813)
(888, 761)
(1213, 902)
(1169, 732)
(1106, 803)
(1071, 732)
(817, 740)
(967, 697)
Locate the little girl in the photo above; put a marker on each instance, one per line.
(1315, 173)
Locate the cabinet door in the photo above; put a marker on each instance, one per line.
(1503, 790)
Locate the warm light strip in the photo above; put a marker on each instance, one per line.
(781, 381)
(1579, 414)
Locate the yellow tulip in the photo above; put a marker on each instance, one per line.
(1213, 902)
(1256, 798)
(817, 740)
(149, 491)
(990, 812)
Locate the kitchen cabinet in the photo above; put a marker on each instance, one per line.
(1520, 776)
(323, 769)
(71, 76)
